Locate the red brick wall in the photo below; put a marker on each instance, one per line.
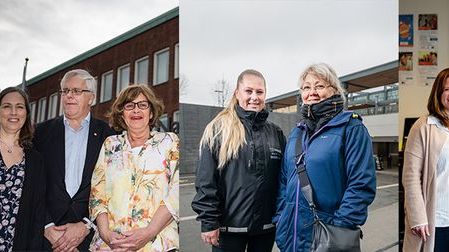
(145, 44)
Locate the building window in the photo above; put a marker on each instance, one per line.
(53, 106)
(164, 123)
(176, 75)
(33, 110)
(161, 61)
(392, 94)
(95, 97)
(61, 110)
(42, 106)
(141, 71)
(106, 87)
(122, 78)
(176, 116)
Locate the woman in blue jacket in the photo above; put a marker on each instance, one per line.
(338, 158)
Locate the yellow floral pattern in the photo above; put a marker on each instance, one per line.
(130, 186)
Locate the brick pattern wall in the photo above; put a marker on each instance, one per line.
(145, 44)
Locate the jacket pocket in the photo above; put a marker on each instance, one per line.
(284, 227)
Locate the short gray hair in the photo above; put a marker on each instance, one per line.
(325, 73)
(91, 83)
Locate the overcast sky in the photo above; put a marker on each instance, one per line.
(51, 32)
(219, 39)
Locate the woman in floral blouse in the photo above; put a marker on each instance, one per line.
(135, 185)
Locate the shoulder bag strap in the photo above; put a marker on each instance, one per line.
(306, 188)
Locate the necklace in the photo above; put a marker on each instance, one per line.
(8, 147)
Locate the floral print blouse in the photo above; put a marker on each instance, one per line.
(129, 184)
(11, 184)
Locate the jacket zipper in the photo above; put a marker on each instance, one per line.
(297, 189)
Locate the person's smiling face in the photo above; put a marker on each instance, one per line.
(138, 118)
(13, 112)
(315, 90)
(251, 93)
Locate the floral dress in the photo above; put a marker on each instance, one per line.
(129, 184)
(11, 184)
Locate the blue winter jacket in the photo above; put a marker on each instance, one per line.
(339, 162)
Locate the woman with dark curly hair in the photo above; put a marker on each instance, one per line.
(135, 184)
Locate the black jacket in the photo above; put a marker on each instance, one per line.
(49, 141)
(241, 197)
(29, 233)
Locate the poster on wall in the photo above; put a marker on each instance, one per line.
(406, 68)
(427, 54)
(427, 58)
(427, 22)
(406, 30)
(428, 40)
(405, 61)
(427, 67)
(428, 31)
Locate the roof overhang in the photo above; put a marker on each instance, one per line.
(380, 75)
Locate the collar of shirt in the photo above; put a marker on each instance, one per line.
(84, 123)
(435, 121)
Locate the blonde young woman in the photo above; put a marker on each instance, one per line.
(237, 175)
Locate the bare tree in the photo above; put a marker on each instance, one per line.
(183, 85)
(222, 91)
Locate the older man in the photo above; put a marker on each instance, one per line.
(70, 145)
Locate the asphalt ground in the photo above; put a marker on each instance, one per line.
(380, 231)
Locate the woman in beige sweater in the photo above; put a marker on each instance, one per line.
(426, 174)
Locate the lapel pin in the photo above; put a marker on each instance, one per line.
(95, 134)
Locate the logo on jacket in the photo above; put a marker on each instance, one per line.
(275, 153)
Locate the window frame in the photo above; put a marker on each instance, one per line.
(102, 89)
(136, 72)
(41, 109)
(176, 70)
(53, 105)
(119, 87)
(155, 66)
(33, 111)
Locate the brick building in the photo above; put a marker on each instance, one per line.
(146, 54)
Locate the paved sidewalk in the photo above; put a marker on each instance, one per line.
(380, 232)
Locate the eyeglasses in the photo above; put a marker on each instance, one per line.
(75, 91)
(141, 105)
(318, 87)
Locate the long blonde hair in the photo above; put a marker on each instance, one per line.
(225, 132)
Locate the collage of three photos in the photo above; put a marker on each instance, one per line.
(225, 125)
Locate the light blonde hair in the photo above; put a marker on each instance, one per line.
(225, 133)
(325, 73)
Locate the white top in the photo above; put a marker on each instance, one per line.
(75, 154)
(442, 177)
